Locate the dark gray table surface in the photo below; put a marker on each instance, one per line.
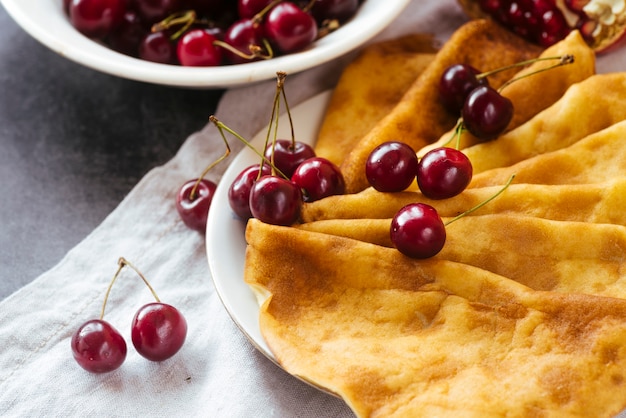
(73, 143)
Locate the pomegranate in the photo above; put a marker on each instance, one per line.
(602, 23)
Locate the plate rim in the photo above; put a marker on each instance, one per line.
(311, 112)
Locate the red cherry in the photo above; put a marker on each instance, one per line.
(288, 155)
(157, 47)
(128, 35)
(417, 231)
(319, 178)
(152, 11)
(242, 35)
(289, 27)
(196, 48)
(239, 190)
(96, 18)
(248, 8)
(456, 83)
(391, 167)
(340, 10)
(443, 173)
(276, 201)
(194, 211)
(98, 347)
(158, 331)
(486, 113)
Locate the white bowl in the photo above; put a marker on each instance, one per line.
(46, 22)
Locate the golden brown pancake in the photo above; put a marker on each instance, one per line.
(587, 107)
(596, 158)
(539, 253)
(357, 102)
(532, 94)
(578, 202)
(398, 337)
(419, 118)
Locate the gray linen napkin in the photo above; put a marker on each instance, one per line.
(217, 372)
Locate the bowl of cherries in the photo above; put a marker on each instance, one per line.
(202, 43)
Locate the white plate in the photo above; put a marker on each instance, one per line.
(225, 241)
(46, 22)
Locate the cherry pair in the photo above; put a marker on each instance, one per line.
(158, 331)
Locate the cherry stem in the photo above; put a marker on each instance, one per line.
(194, 190)
(562, 60)
(256, 51)
(258, 18)
(222, 127)
(480, 205)
(185, 18)
(121, 263)
(280, 81)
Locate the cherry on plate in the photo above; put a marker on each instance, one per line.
(456, 83)
(288, 155)
(443, 173)
(391, 167)
(319, 178)
(275, 201)
(417, 231)
(486, 113)
(239, 190)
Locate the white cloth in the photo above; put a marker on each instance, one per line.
(218, 372)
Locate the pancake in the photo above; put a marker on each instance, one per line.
(419, 118)
(594, 202)
(357, 104)
(398, 337)
(530, 95)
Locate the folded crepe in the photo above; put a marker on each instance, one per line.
(532, 94)
(399, 337)
(599, 157)
(357, 103)
(587, 107)
(539, 253)
(419, 118)
(595, 202)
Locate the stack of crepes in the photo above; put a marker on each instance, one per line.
(523, 312)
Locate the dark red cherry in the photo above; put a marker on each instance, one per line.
(157, 47)
(417, 231)
(456, 83)
(248, 8)
(290, 28)
(391, 167)
(196, 48)
(98, 347)
(288, 155)
(152, 11)
(128, 35)
(239, 190)
(243, 35)
(486, 113)
(340, 10)
(158, 331)
(96, 18)
(275, 201)
(194, 210)
(319, 178)
(443, 173)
